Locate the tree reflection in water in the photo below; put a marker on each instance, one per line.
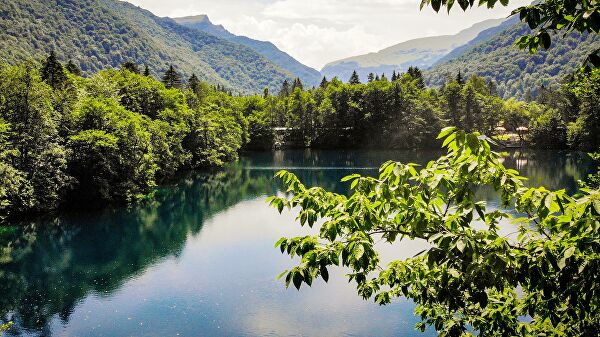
(48, 266)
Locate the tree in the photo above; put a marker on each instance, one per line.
(285, 89)
(471, 280)
(324, 83)
(453, 101)
(194, 84)
(545, 18)
(297, 84)
(73, 68)
(53, 72)
(171, 78)
(26, 105)
(417, 75)
(459, 78)
(131, 66)
(371, 77)
(584, 132)
(146, 71)
(354, 79)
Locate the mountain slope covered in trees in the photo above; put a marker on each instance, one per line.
(100, 34)
(307, 74)
(422, 52)
(516, 72)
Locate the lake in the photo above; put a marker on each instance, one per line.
(200, 261)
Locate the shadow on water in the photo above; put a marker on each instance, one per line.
(48, 267)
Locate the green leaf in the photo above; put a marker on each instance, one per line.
(460, 245)
(569, 252)
(281, 275)
(446, 131)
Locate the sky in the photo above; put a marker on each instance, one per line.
(317, 32)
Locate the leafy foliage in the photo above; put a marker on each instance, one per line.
(474, 279)
(111, 137)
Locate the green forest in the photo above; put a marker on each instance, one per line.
(116, 135)
(519, 74)
(488, 207)
(102, 34)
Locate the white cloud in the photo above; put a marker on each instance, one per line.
(320, 31)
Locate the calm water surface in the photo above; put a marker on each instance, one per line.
(200, 260)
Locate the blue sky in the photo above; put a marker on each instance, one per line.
(320, 31)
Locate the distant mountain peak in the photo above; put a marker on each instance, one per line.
(422, 52)
(267, 49)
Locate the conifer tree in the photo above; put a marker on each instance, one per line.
(354, 79)
(266, 93)
(285, 89)
(377, 78)
(131, 66)
(371, 77)
(417, 75)
(194, 83)
(459, 78)
(171, 78)
(324, 83)
(53, 72)
(394, 76)
(146, 71)
(383, 78)
(297, 84)
(73, 68)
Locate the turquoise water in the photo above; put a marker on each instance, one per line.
(199, 261)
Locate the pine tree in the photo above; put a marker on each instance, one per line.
(266, 93)
(371, 77)
(146, 71)
(171, 78)
(131, 66)
(416, 74)
(354, 79)
(383, 78)
(194, 83)
(285, 89)
(459, 78)
(394, 76)
(53, 72)
(324, 83)
(73, 68)
(297, 84)
(377, 78)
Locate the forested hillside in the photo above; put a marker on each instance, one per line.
(101, 34)
(517, 73)
(307, 74)
(422, 52)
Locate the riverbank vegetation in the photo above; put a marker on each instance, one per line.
(111, 137)
(114, 136)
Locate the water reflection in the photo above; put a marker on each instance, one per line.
(199, 260)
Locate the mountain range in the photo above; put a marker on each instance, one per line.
(307, 74)
(422, 52)
(100, 34)
(517, 73)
